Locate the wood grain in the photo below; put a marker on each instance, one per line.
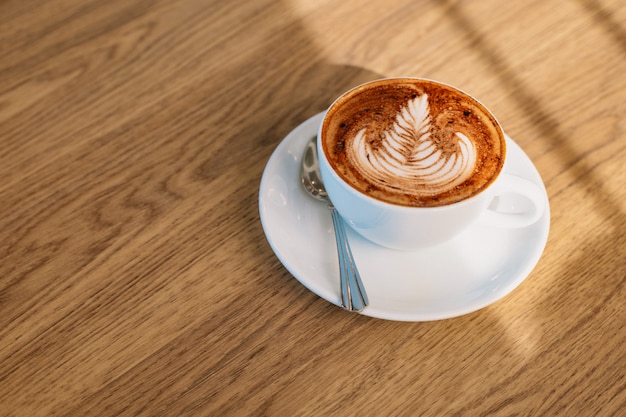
(135, 278)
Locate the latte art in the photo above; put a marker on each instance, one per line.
(412, 142)
(407, 159)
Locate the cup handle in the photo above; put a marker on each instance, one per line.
(517, 203)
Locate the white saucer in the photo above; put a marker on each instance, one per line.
(470, 272)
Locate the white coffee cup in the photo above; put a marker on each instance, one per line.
(508, 201)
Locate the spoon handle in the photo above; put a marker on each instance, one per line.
(353, 296)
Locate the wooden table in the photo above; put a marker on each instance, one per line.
(135, 276)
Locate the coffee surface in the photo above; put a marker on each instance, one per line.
(413, 142)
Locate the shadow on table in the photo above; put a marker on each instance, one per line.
(607, 21)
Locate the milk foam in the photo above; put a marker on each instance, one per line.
(407, 159)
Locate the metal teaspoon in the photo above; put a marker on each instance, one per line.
(353, 296)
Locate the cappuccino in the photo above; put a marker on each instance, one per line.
(413, 142)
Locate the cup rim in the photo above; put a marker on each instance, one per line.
(401, 207)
